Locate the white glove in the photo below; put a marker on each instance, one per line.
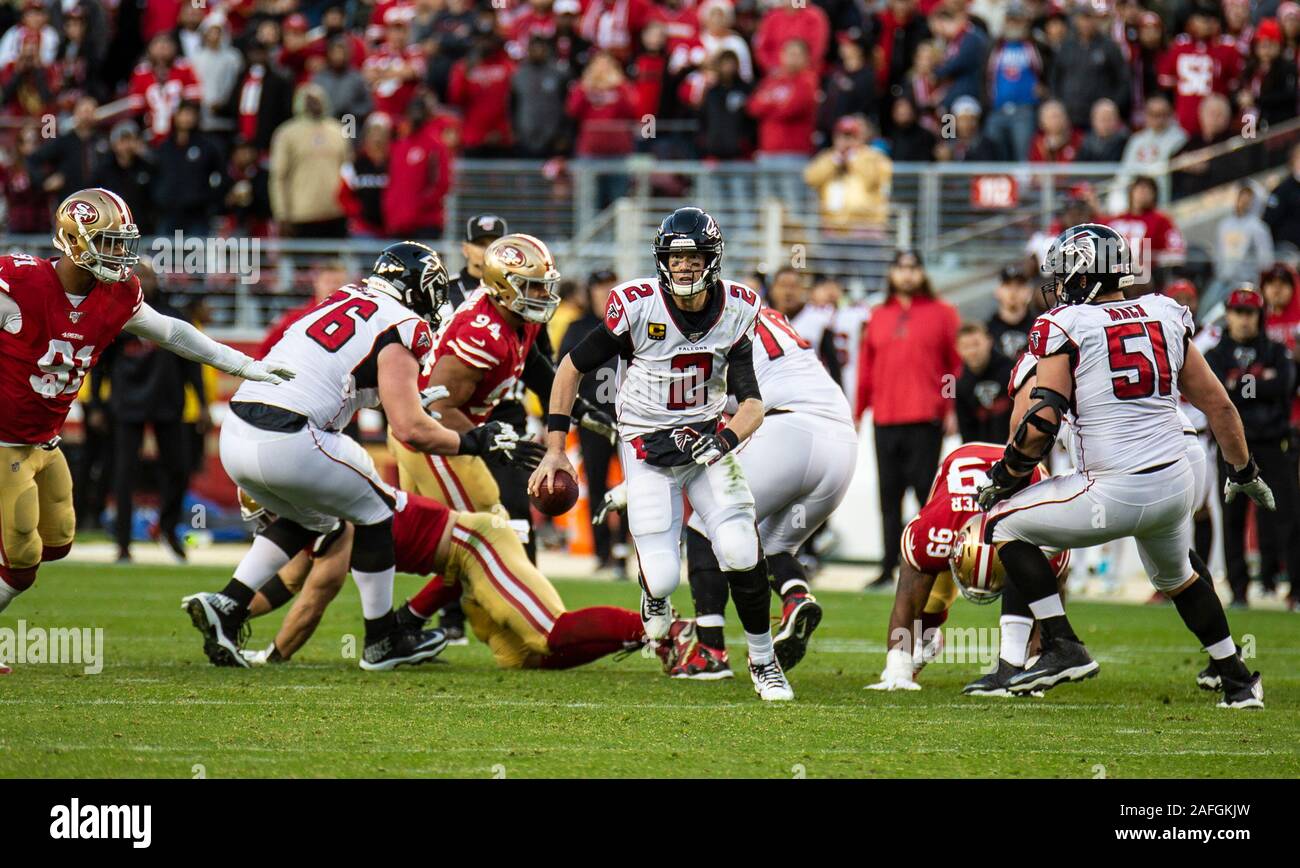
(615, 501)
(927, 652)
(257, 658)
(897, 674)
(431, 396)
(261, 372)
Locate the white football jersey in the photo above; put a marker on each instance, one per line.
(847, 326)
(790, 374)
(812, 321)
(335, 350)
(1126, 356)
(674, 377)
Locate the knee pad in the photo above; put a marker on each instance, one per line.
(661, 571)
(372, 547)
(699, 551)
(290, 536)
(736, 544)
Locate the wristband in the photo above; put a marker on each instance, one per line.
(727, 436)
(1245, 474)
(558, 422)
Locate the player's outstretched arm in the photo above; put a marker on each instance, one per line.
(399, 393)
(188, 342)
(460, 381)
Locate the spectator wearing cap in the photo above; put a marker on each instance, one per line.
(1280, 286)
(128, 170)
(217, 64)
(982, 404)
(1089, 66)
(307, 157)
(1158, 141)
(1268, 84)
(344, 85)
(908, 356)
(969, 145)
(1244, 246)
(419, 174)
(717, 36)
(572, 49)
(1106, 137)
(159, 84)
(1282, 213)
(263, 99)
(961, 70)
(67, 162)
(784, 22)
(1197, 65)
(538, 90)
(480, 90)
(187, 183)
(1014, 75)
(849, 87)
(1009, 325)
(365, 178)
(852, 179)
(1057, 141)
(610, 536)
(33, 28)
(1259, 375)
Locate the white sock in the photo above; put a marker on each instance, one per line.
(794, 585)
(262, 561)
(1048, 607)
(1223, 649)
(711, 621)
(7, 593)
(376, 592)
(760, 647)
(1015, 630)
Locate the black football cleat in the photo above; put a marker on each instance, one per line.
(1243, 694)
(451, 621)
(408, 620)
(800, 615)
(1209, 678)
(994, 683)
(402, 647)
(218, 618)
(1062, 660)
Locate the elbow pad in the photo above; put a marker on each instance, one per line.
(1047, 398)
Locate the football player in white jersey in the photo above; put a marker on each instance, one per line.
(799, 466)
(686, 338)
(1111, 365)
(362, 346)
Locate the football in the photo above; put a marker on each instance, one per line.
(559, 498)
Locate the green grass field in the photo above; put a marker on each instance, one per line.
(158, 708)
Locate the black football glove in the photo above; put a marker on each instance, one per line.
(1248, 481)
(496, 438)
(594, 420)
(711, 447)
(1002, 484)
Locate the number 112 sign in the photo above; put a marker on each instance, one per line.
(994, 191)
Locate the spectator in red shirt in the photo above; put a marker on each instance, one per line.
(908, 365)
(395, 68)
(419, 175)
(615, 25)
(29, 89)
(480, 89)
(1057, 141)
(604, 107)
(1198, 64)
(1154, 241)
(160, 84)
(785, 105)
(27, 206)
(296, 52)
(536, 19)
(784, 22)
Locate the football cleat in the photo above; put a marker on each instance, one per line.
(800, 615)
(1062, 660)
(995, 683)
(408, 620)
(769, 681)
(703, 664)
(1208, 678)
(1243, 694)
(674, 647)
(402, 647)
(656, 616)
(216, 617)
(452, 622)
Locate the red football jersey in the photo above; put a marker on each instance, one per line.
(480, 337)
(158, 100)
(1195, 69)
(928, 538)
(417, 528)
(1167, 246)
(43, 363)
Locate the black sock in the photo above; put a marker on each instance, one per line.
(1030, 573)
(276, 593)
(239, 592)
(753, 598)
(1203, 532)
(377, 628)
(1201, 568)
(1201, 611)
(1014, 602)
(708, 586)
(783, 569)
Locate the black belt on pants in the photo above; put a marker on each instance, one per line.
(269, 418)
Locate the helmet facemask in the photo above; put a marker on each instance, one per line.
(108, 254)
(536, 298)
(708, 274)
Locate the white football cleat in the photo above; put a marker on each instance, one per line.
(769, 681)
(656, 616)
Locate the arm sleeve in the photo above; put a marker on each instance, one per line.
(597, 348)
(539, 370)
(741, 381)
(830, 356)
(185, 340)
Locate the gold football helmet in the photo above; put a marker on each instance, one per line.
(520, 273)
(975, 565)
(95, 229)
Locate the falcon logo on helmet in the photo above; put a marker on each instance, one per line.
(520, 273)
(1086, 261)
(413, 274)
(95, 230)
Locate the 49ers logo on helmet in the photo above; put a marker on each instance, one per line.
(83, 212)
(511, 257)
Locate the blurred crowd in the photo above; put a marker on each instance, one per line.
(324, 118)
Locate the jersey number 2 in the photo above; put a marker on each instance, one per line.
(1151, 378)
(692, 388)
(337, 327)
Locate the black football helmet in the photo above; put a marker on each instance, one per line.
(1085, 261)
(412, 273)
(689, 230)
